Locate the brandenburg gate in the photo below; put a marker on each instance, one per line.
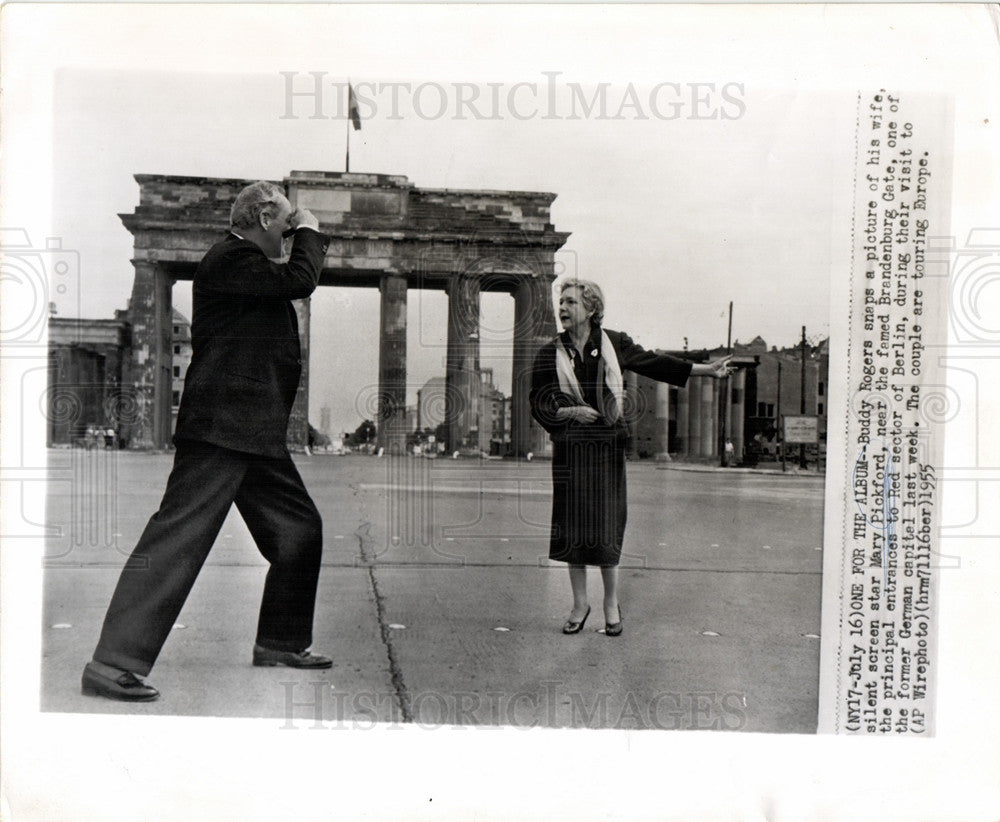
(387, 234)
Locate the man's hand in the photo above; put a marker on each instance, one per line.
(303, 218)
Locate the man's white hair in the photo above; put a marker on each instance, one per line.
(252, 201)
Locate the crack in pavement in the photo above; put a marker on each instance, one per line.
(363, 533)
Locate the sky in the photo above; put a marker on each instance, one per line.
(678, 199)
(720, 169)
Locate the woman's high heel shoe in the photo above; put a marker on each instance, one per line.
(615, 628)
(575, 627)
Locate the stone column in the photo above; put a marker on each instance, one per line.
(726, 385)
(682, 419)
(534, 325)
(111, 393)
(661, 435)
(462, 387)
(391, 422)
(486, 405)
(739, 412)
(710, 417)
(151, 316)
(695, 414)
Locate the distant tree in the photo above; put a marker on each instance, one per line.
(364, 433)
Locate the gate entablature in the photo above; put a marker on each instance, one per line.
(386, 233)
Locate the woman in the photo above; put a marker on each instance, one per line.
(577, 396)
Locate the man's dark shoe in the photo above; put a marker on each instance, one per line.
(268, 658)
(114, 683)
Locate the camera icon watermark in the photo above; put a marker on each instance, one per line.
(34, 280)
(975, 288)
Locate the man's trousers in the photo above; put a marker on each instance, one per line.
(204, 482)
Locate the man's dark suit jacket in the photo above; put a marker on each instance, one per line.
(246, 360)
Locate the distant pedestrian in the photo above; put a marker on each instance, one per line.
(230, 441)
(109, 437)
(577, 396)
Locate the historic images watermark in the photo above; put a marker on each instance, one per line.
(314, 95)
(317, 705)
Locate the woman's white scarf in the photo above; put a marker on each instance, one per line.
(609, 373)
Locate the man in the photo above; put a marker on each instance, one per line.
(230, 447)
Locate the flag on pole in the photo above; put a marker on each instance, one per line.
(352, 108)
(353, 119)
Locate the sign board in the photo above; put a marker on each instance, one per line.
(800, 430)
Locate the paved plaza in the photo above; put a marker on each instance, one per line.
(440, 608)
